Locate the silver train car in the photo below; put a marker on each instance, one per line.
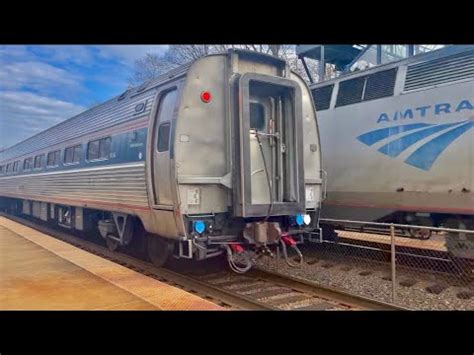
(398, 143)
(221, 156)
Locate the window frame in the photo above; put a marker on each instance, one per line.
(162, 124)
(16, 166)
(55, 163)
(30, 165)
(73, 151)
(100, 143)
(41, 156)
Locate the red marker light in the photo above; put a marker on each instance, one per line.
(206, 97)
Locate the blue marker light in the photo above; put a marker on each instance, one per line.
(299, 219)
(199, 226)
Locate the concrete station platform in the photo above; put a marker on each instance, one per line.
(39, 272)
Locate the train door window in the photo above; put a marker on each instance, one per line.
(16, 166)
(9, 168)
(53, 159)
(28, 164)
(38, 161)
(164, 137)
(257, 116)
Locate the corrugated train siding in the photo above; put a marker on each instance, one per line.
(122, 185)
(108, 114)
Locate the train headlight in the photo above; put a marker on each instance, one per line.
(199, 226)
(307, 219)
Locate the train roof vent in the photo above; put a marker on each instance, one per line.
(380, 84)
(322, 97)
(350, 91)
(440, 71)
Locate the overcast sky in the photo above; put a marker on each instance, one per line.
(43, 85)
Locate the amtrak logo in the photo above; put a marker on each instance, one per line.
(397, 140)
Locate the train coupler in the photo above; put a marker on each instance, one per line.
(287, 241)
(264, 250)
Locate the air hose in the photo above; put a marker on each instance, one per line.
(234, 266)
(285, 254)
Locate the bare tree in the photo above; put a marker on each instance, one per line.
(152, 65)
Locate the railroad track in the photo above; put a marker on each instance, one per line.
(256, 290)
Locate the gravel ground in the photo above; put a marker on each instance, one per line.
(374, 282)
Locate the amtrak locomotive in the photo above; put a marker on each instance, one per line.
(398, 143)
(221, 156)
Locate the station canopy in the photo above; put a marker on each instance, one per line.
(349, 56)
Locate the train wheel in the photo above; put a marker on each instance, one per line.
(112, 244)
(420, 233)
(158, 249)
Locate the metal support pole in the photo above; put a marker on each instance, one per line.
(379, 54)
(322, 65)
(394, 281)
(308, 73)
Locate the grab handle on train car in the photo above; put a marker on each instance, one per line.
(325, 183)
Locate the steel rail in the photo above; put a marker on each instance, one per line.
(330, 293)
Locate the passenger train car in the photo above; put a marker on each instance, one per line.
(398, 143)
(220, 156)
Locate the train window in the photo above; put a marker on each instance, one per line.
(93, 150)
(72, 155)
(16, 166)
(99, 149)
(257, 116)
(28, 164)
(38, 161)
(322, 97)
(350, 91)
(164, 137)
(9, 168)
(380, 84)
(104, 148)
(53, 158)
(1, 169)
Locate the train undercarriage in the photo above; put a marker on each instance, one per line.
(240, 242)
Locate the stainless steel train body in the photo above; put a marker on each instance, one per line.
(398, 140)
(222, 151)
